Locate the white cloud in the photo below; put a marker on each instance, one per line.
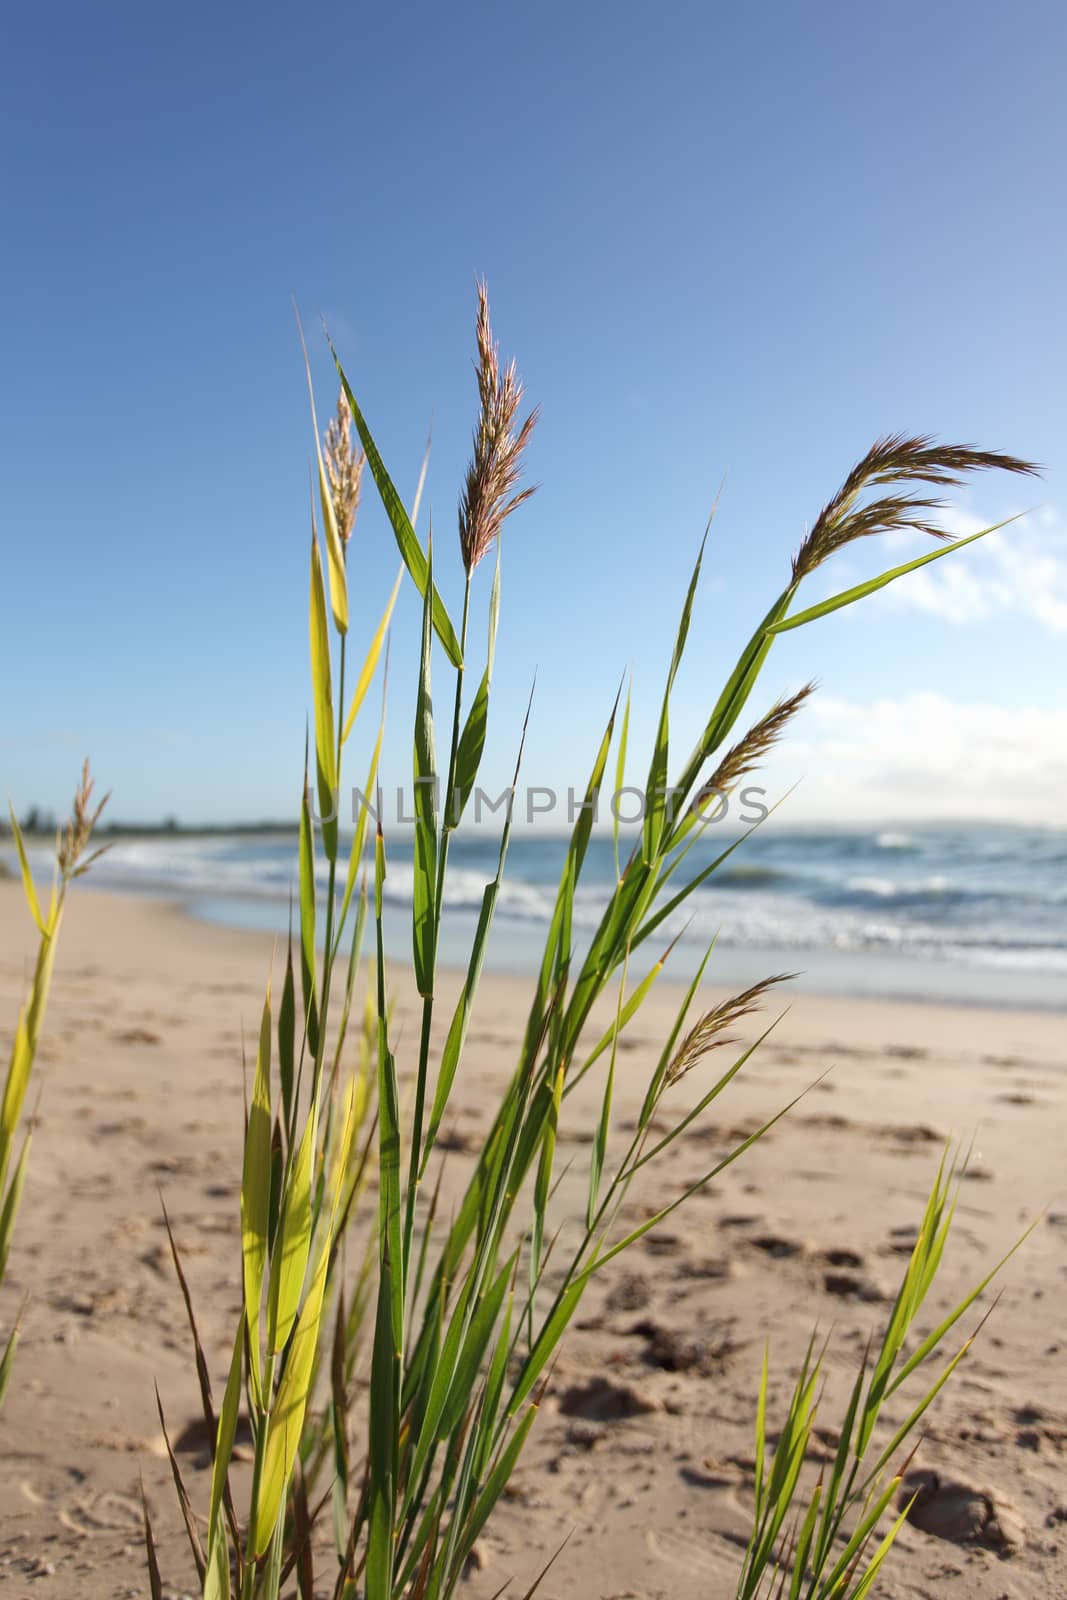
(925, 756)
(1020, 571)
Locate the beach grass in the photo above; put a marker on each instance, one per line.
(73, 859)
(462, 1319)
(824, 1544)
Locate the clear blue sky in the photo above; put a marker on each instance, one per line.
(718, 239)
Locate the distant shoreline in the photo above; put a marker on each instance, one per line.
(970, 917)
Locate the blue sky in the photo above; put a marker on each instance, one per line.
(736, 241)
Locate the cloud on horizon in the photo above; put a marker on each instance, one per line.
(921, 757)
(1018, 571)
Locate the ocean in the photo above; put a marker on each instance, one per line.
(968, 912)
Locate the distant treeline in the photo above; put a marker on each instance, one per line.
(42, 822)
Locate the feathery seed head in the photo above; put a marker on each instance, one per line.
(344, 462)
(748, 753)
(710, 1031)
(895, 459)
(79, 828)
(496, 465)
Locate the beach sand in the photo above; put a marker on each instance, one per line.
(643, 1449)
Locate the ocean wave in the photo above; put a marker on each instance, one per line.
(933, 894)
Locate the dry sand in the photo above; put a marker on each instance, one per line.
(643, 1449)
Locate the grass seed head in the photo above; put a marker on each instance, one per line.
(344, 462)
(79, 829)
(488, 496)
(710, 1032)
(895, 459)
(748, 753)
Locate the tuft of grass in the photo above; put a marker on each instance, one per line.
(823, 1544)
(458, 1318)
(72, 859)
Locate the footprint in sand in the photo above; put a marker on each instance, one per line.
(962, 1513)
(853, 1286)
(911, 1137)
(631, 1293)
(778, 1246)
(601, 1399)
(671, 1352)
(663, 1244)
(842, 1258)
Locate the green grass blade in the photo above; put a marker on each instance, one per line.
(620, 771)
(658, 1078)
(599, 1150)
(861, 1533)
(287, 1040)
(384, 1428)
(933, 1339)
(322, 694)
(627, 1014)
(457, 1032)
(7, 1361)
(424, 921)
(335, 556)
(543, 1182)
(359, 837)
(469, 753)
(545, 1344)
(867, 1581)
(494, 1486)
(155, 1582)
(861, 590)
(730, 704)
(656, 787)
(292, 1245)
(226, 1433)
(290, 1403)
(404, 533)
(475, 1345)
(255, 1190)
(370, 665)
(307, 924)
(9, 1210)
(28, 886)
(693, 1188)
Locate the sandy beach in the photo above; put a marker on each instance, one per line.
(643, 1450)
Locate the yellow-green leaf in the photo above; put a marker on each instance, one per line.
(27, 875)
(255, 1190)
(370, 665)
(407, 543)
(287, 1413)
(322, 694)
(226, 1433)
(217, 1576)
(293, 1243)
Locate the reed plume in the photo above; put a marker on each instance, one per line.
(344, 462)
(748, 753)
(487, 498)
(79, 829)
(709, 1032)
(895, 459)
